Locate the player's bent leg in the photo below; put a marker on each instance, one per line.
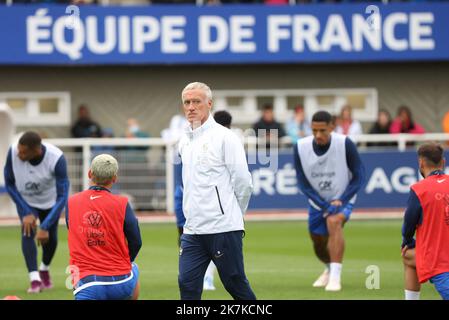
(49, 249)
(320, 249)
(319, 235)
(29, 250)
(193, 262)
(336, 242)
(48, 252)
(228, 258)
(412, 286)
(336, 246)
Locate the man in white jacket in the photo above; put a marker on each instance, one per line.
(217, 189)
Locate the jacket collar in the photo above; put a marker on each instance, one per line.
(210, 122)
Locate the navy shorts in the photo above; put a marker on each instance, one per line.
(317, 219)
(107, 288)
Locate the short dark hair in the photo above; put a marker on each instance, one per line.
(224, 118)
(267, 106)
(30, 139)
(432, 152)
(322, 116)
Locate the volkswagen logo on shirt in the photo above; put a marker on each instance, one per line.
(93, 219)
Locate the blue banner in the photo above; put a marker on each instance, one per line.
(182, 34)
(389, 176)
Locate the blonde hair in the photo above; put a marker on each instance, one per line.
(104, 168)
(200, 86)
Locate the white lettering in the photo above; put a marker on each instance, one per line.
(286, 183)
(145, 29)
(263, 179)
(36, 33)
(110, 35)
(335, 34)
(73, 48)
(172, 30)
(240, 31)
(378, 180)
(363, 30)
(389, 31)
(402, 178)
(305, 30)
(419, 29)
(206, 44)
(124, 35)
(277, 31)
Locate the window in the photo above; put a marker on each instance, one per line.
(245, 105)
(38, 108)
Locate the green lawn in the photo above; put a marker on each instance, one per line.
(279, 262)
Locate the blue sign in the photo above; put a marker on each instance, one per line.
(182, 34)
(389, 176)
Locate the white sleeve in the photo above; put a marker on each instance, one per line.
(235, 161)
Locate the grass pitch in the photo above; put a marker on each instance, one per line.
(279, 262)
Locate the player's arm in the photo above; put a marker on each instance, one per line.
(412, 217)
(357, 169)
(304, 184)
(132, 233)
(23, 209)
(62, 194)
(235, 161)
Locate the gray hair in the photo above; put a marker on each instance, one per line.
(104, 168)
(200, 86)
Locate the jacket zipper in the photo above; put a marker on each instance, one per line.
(219, 201)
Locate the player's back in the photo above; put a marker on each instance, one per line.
(432, 235)
(97, 242)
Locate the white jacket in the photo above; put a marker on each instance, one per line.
(216, 179)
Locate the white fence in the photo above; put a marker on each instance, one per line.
(146, 176)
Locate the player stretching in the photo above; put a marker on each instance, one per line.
(104, 238)
(330, 173)
(427, 214)
(36, 180)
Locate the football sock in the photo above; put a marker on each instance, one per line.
(34, 276)
(44, 267)
(335, 271)
(412, 295)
